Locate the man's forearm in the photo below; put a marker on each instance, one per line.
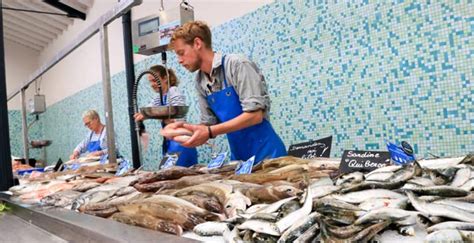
(244, 120)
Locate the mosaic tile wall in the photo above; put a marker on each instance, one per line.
(16, 135)
(364, 72)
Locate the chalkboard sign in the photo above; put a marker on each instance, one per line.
(312, 149)
(169, 160)
(357, 160)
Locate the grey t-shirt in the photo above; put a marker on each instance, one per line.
(243, 75)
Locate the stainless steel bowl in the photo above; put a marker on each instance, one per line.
(164, 112)
(40, 143)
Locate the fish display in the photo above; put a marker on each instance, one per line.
(285, 199)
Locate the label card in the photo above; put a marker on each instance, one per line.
(169, 160)
(245, 167)
(357, 160)
(218, 161)
(312, 149)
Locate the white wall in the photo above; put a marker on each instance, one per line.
(20, 62)
(82, 68)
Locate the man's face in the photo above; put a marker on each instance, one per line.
(188, 55)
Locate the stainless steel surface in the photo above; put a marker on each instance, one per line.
(15, 229)
(24, 126)
(104, 48)
(164, 112)
(117, 11)
(77, 227)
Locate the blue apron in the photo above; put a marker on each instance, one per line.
(187, 156)
(259, 140)
(94, 146)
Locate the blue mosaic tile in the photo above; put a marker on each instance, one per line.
(362, 71)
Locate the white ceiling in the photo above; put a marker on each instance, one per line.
(35, 30)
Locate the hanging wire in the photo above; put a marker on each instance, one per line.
(162, 8)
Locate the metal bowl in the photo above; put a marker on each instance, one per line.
(40, 143)
(164, 112)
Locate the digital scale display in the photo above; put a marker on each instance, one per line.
(149, 26)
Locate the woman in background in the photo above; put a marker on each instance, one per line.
(173, 97)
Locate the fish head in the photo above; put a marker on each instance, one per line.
(287, 191)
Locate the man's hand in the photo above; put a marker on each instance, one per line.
(74, 155)
(96, 153)
(174, 129)
(138, 116)
(199, 137)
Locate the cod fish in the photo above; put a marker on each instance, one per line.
(271, 194)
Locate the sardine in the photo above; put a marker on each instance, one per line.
(432, 209)
(392, 214)
(376, 203)
(351, 178)
(300, 227)
(308, 235)
(260, 226)
(451, 225)
(448, 235)
(443, 191)
(461, 177)
(360, 196)
(291, 218)
(469, 207)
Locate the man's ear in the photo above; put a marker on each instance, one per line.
(197, 43)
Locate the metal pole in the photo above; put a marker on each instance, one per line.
(6, 175)
(130, 73)
(104, 46)
(24, 126)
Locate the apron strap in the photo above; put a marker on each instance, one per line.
(223, 70)
(164, 101)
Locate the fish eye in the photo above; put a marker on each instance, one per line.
(227, 206)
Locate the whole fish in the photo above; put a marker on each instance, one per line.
(334, 203)
(344, 232)
(60, 199)
(447, 235)
(271, 194)
(210, 228)
(260, 226)
(369, 232)
(432, 209)
(451, 225)
(204, 201)
(300, 227)
(236, 201)
(441, 163)
(149, 222)
(461, 177)
(255, 208)
(376, 203)
(105, 213)
(381, 176)
(219, 190)
(292, 217)
(308, 235)
(443, 191)
(469, 207)
(171, 173)
(391, 214)
(360, 196)
(351, 178)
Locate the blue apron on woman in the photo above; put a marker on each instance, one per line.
(94, 146)
(187, 156)
(259, 140)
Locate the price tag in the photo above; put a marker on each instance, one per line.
(312, 149)
(169, 160)
(217, 161)
(123, 167)
(401, 155)
(245, 167)
(357, 160)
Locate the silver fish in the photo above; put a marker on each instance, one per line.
(210, 228)
(451, 225)
(392, 214)
(260, 226)
(291, 218)
(376, 203)
(301, 226)
(360, 196)
(448, 235)
(432, 209)
(461, 177)
(469, 207)
(443, 191)
(309, 234)
(352, 178)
